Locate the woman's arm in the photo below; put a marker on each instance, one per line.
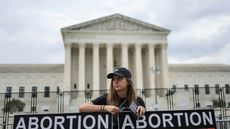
(90, 107)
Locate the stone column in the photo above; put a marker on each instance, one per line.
(67, 74)
(125, 58)
(96, 68)
(138, 67)
(81, 68)
(68, 65)
(163, 66)
(152, 65)
(109, 61)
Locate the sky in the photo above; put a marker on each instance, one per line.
(30, 29)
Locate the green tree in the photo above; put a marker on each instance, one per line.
(14, 105)
(218, 103)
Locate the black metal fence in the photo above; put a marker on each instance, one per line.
(155, 99)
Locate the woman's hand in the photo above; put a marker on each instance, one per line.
(141, 110)
(112, 109)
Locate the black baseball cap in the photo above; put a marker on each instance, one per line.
(120, 71)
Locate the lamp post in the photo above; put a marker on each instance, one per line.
(58, 97)
(33, 108)
(222, 102)
(156, 73)
(6, 109)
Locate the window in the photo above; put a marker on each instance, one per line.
(174, 87)
(217, 88)
(196, 89)
(88, 86)
(114, 63)
(75, 86)
(47, 91)
(207, 90)
(227, 88)
(21, 92)
(34, 91)
(8, 91)
(186, 87)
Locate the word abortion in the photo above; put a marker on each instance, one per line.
(169, 120)
(63, 121)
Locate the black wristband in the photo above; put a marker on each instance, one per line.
(101, 108)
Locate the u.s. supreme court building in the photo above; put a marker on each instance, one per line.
(95, 48)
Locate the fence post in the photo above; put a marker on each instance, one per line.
(6, 110)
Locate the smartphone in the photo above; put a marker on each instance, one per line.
(133, 108)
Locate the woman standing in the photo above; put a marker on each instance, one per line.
(121, 94)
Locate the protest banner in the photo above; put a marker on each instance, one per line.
(176, 119)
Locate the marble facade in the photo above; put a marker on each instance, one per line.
(96, 47)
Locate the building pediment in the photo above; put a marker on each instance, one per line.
(116, 22)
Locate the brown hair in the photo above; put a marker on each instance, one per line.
(113, 99)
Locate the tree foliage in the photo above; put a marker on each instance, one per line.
(218, 103)
(14, 105)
